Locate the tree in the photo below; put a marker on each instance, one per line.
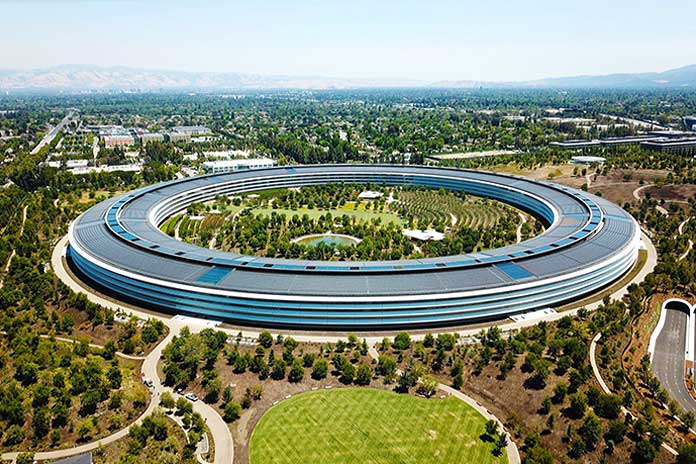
(85, 430)
(559, 393)
(347, 373)
(616, 432)
(320, 369)
(114, 376)
(167, 400)
(644, 452)
(578, 404)
(427, 385)
(590, 431)
(364, 375)
(608, 406)
(500, 443)
(491, 429)
(14, 435)
(27, 373)
(278, 372)
(231, 412)
(25, 458)
(296, 371)
(402, 341)
(183, 406)
(687, 454)
(386, 367)
(40, 422)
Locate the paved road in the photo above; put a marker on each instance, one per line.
(668, 360)
(151, 358)
(48, 138)
(224, 449)
(605, 388)
(222, 437)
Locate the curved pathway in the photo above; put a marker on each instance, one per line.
(605, 388)
(511, 448)
(13, 253)
(636, 192)
(222, 437)
(523, 221)
(669, 355)
(153, 357)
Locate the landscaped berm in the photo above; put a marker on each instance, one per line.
(346, 426)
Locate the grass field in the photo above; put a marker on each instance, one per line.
(360, 214)
(351, 426)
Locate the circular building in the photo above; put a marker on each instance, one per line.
(588, 243)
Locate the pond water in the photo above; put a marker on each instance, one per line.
(331, 240)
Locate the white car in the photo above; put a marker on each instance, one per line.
(148, 383)
(191, 397)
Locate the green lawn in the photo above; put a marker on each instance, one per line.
(356, 426)
(360, 214)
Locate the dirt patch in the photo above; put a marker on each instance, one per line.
(671, 192)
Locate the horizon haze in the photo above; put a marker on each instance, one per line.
(386, 41)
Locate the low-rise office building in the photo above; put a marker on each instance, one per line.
(690, 123)
(217, 167)
(685, 145)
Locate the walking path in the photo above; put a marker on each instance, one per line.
(222, 437)
(605, 387)
(511, 448)
(523, 221)
(13, 253)
(150, 360)
(636, 192)
(94, 345)
(681, 232)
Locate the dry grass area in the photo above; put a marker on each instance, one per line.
(617, 186)
(671, 192)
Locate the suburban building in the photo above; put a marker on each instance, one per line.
(587, 160)
(690, 122)
(191, 130)
(217, 167)
(685, 145)
(575, 144)
(177, 137)
(617, 141)
(145, 137)
(71, 163)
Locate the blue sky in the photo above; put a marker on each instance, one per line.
(424, 40)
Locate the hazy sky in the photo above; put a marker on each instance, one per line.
(427, 40)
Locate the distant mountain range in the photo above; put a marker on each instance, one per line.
(684, 77)
(76, 78)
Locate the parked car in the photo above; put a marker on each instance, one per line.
(191, 397)
(148, 383)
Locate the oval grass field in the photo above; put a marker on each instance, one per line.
(347, 426)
